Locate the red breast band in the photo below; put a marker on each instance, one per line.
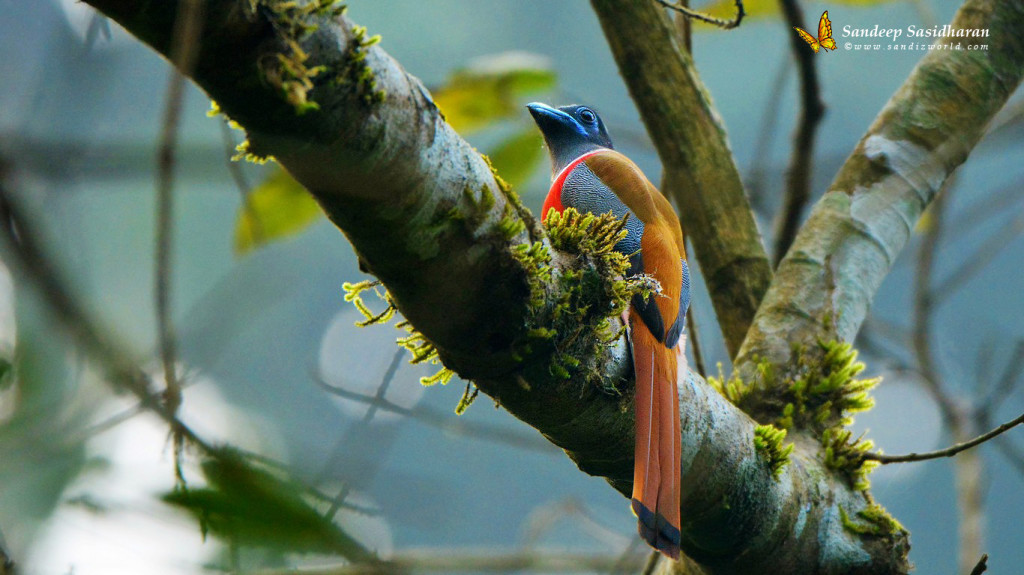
(554, 199)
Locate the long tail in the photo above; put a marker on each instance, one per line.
(656, 469)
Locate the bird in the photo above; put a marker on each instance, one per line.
(588, 174)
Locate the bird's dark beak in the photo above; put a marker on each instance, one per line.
(550, 120)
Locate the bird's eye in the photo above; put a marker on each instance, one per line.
(588, 116)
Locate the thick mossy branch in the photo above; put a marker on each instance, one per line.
(817, 393)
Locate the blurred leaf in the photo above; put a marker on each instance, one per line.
(516, 158)
(277, 208)
(251, 507)
(491, 87)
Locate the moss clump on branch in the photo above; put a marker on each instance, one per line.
(876, 522)
(356, 72)
(576, 310)
(817, 392)
(844, 453)
(768, 442)
(289, 70)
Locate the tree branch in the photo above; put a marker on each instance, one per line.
(864, 220)
(700, 174)
(947, 452)
(812, 110)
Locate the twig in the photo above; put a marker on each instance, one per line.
(981, 566)
(187, 26)
(947, 452)
(922, 311)
(766, 136)
(979, 260)
(1011, 373)
(684, 27)
(6, 562)
(696, 15)
(444, 421)
(812, 109)
(652, 563)
(371, 411)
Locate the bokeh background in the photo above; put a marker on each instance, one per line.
(265, 334)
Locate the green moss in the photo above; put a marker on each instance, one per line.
(876, 522)
(357, 72)
(817, 392)
(579, 305)
(422, 350)
(768, 441)
(289, 70)
(468, 397)
(845, 454)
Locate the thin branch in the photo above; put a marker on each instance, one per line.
(697, 15)
(947, 452)
(1006, 382)
(812, 110)
(980, 259)
(444, 421)
(371, 411)
(981, 566)
(766, 136)
(694, 339)
(923, 309)
(183, 53)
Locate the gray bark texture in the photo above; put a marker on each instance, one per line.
(391, 173)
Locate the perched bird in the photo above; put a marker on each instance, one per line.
(592, 177)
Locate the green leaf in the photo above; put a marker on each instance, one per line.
(491, 87)
(516, 158)
(275, 209)
(251, 507)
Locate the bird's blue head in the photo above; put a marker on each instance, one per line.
(570, 131)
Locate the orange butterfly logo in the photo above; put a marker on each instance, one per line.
(824, 39)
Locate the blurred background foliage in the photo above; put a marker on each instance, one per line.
(335, 449)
